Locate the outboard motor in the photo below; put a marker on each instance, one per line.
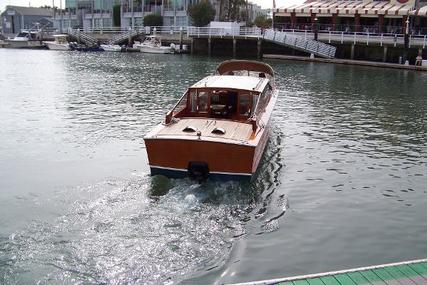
(198, 170)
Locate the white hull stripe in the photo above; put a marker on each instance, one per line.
(213, 172)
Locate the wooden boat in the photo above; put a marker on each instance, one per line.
(219, 128)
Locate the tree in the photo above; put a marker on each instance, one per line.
(153, 20)
(262, 21)
(201, 13)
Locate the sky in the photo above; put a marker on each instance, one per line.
(37, 3)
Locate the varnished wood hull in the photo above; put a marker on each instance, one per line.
(171, 157)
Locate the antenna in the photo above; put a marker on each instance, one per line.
(272, 11)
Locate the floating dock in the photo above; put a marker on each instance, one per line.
(403, 273)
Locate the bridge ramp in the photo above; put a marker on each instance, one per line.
(300, 43)
(83, 37)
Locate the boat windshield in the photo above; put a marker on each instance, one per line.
(220, 103)
(61, 39)
(22, 35)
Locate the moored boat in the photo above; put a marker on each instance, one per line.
(111, 48)
(219, 128)
(60, 43)
(25, 39)
(153, 44)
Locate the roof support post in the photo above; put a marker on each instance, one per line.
(357, 23)
(380, 23)
(334, 21)
(293, 20)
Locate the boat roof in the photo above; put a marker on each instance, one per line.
(60, 35)
(250, 83)
(248, 65)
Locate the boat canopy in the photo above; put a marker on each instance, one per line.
(236, 65)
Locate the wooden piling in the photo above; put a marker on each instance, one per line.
(352, 51)
(385, 54)
(259, 46)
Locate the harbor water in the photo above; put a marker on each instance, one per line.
(342, 182)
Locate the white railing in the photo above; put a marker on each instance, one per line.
(221, 32)
(326, 37)
(363, 38)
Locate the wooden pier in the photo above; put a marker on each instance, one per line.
(403, 273)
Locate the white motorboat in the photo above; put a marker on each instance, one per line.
(112, 48)
(24, 39)
(153, 44)
(60, 43)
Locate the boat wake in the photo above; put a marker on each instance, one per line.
(147, 230)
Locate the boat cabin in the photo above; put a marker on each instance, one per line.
(26, 35)
(152, 40)
(60, 39)
(233, 94)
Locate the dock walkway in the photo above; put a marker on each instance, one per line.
(403, 273)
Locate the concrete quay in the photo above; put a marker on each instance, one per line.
(346, 62)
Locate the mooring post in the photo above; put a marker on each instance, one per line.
(385, 53)
(352, 52)
(234, 47)
(259, 43)
(209, 46)
(180, 38)
(191, 45)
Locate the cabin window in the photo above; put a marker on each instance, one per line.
(203, 101)
(255, 98)
(245, 104)
(181, 106)
(193, 98)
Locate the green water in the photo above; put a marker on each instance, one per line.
(342, 182)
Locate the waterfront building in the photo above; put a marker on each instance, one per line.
(16, 18)
(381, 16)
(86, 14)
(174, 12)
(97, 14)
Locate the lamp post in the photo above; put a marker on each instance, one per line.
(316, 28)
(406, 41)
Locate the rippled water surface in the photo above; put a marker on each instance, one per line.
(342, 182)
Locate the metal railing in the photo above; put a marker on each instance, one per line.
(83, 37)
(117, 39)
(288, 39)
(364, 38)
(300, 43)
(372, 29)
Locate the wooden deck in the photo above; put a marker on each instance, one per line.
(402, 273)
(233, 130)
